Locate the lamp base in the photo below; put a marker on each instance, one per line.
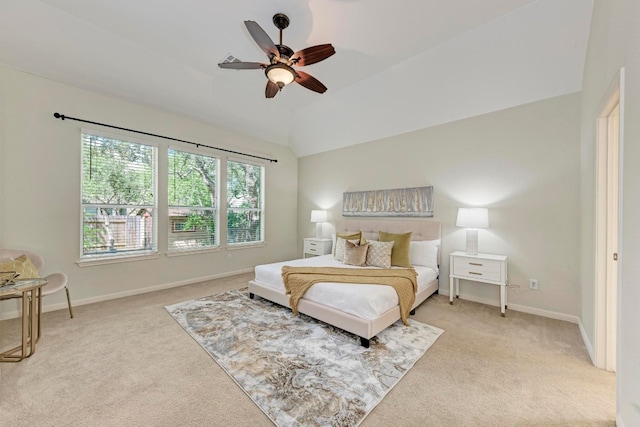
(319, 230)
(472, 241)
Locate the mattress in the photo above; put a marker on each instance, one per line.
(365, 301)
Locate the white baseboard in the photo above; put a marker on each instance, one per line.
(75, 303)
(520, 308)
(587, 343)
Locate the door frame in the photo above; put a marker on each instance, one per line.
(606, 319)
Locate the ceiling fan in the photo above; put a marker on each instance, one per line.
(282, 58)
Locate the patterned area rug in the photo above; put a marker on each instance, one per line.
(301, 372)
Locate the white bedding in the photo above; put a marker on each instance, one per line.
(365, 301)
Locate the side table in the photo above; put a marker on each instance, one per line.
(484, 268)
(31, 290)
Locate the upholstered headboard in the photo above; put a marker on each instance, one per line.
(420, 229)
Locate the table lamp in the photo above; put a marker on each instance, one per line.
(472, 219)
(318, 216)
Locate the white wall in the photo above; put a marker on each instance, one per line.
(522, 163)
(614, 43)
(40, 188)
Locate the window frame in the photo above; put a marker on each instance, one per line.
(171, 229)
(160, 201)
(263, 168)
(119, 256)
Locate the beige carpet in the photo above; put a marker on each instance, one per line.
(128, 363)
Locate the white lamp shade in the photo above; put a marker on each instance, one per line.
(318, 216)
(473, 218)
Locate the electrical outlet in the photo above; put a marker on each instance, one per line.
(228, 257)
(533, 284)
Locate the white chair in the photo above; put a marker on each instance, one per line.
(55, 281)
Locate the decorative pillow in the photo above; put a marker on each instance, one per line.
(400, 251)
(22, 266)
(355, 254)
(338, 247)
(424, 252)
(379, 254)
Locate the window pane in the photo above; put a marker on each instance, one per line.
(191, 228)
(244, 202)
(116, 231)
(118, 201)
(117, 172)
(244, 226)
(192, 179)
(193, 199)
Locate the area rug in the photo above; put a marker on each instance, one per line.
(299, 371)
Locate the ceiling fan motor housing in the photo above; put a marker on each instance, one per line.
(285, 52)
(281, 21)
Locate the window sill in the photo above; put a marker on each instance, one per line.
(90, 262)
(238, 246)
(192, 251)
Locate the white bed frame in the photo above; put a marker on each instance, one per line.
(364, 328)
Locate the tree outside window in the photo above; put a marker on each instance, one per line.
(245, 202)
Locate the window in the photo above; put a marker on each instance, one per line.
(245, 202)
(118, 197)
(193, 201)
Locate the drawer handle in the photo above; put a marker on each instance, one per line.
(477, 274)
(475, 263)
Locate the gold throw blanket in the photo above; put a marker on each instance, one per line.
(297, 280)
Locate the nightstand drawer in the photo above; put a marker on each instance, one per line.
(312, 246)
(483, 269)
(317, 246)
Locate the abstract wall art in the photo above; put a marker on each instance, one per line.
(416, 201)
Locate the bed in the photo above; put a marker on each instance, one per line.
(363, 310)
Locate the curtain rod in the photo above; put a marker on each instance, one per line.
(63, 117)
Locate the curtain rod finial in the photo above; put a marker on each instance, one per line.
(58, 116)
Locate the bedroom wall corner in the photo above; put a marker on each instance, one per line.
(522, 163)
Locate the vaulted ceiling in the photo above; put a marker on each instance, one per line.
(399, 66)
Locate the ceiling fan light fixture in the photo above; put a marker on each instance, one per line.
(280, 74)
(279, 70)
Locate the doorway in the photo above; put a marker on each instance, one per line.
(608, 225)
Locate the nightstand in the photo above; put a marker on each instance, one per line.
(314, 246)
(484, 268)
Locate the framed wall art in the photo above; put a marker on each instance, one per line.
(416, 201)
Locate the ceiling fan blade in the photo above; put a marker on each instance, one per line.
(310, 82)
(313, 54)
(271, 90)
(263, 40)
(242, 65)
